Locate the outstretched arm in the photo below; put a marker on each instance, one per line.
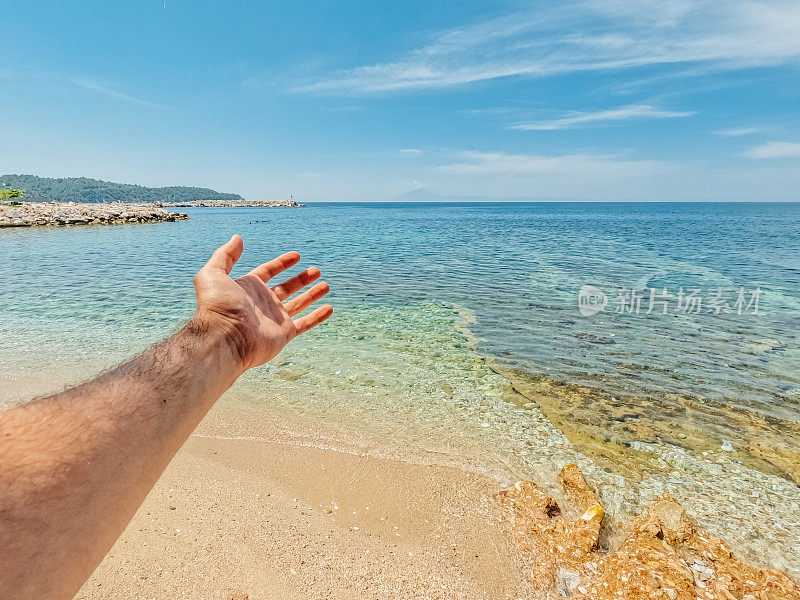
(74, 467)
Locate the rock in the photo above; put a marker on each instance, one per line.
(54, 213)
(594, 339)
(541, 533)
(664, 554)
(566, 581)
(241, 202)
(292, 373)
(577, 489)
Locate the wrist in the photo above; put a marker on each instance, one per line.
(220, 337)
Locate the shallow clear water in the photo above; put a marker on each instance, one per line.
(518, 267)
(445, 313)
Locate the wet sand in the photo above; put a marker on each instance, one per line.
(275, 516)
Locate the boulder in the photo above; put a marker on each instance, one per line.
(664, 555)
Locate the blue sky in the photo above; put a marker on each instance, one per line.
(602, 100)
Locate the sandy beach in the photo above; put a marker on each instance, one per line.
(277, 515)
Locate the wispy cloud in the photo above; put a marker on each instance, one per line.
(583, 119)
(95, 86)
(739, 131)
(410, 151)
(587, 35)
(500, 163)
(774, 150)
(585, 175)
(610, 177)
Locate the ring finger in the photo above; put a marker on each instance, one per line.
(296, 305)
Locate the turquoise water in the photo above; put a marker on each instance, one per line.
(96, 293)
(517, 266)
(457, 332)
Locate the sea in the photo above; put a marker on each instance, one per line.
(656, 344)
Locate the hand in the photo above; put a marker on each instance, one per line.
(255, 318)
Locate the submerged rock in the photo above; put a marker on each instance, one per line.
(664, 554)
(557, 544)
(595, 339)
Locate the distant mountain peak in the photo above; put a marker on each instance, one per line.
(420, 195)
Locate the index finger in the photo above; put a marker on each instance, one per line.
(269, 269)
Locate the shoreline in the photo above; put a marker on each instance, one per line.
(357, 402)
(463, 423)
(223, 538)
(261, 503)
(60, 214)
(271, 516)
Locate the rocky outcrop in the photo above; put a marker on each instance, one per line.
(41, 214)
(233, 203)
(664, 554)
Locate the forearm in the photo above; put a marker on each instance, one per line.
(74, 467)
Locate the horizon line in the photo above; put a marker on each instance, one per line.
(556, 201)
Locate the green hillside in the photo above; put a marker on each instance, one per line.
(82, 189)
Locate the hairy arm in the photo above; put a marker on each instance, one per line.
(74, 467)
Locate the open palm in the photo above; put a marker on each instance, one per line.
(256, 317)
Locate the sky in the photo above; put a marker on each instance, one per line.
(651, 100)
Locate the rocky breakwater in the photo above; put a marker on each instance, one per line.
(234, 203)
(661, 553)
(42, 214)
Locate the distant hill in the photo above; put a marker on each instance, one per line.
(421, 195)
(82, 189)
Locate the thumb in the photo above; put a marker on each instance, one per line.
(226, 256)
